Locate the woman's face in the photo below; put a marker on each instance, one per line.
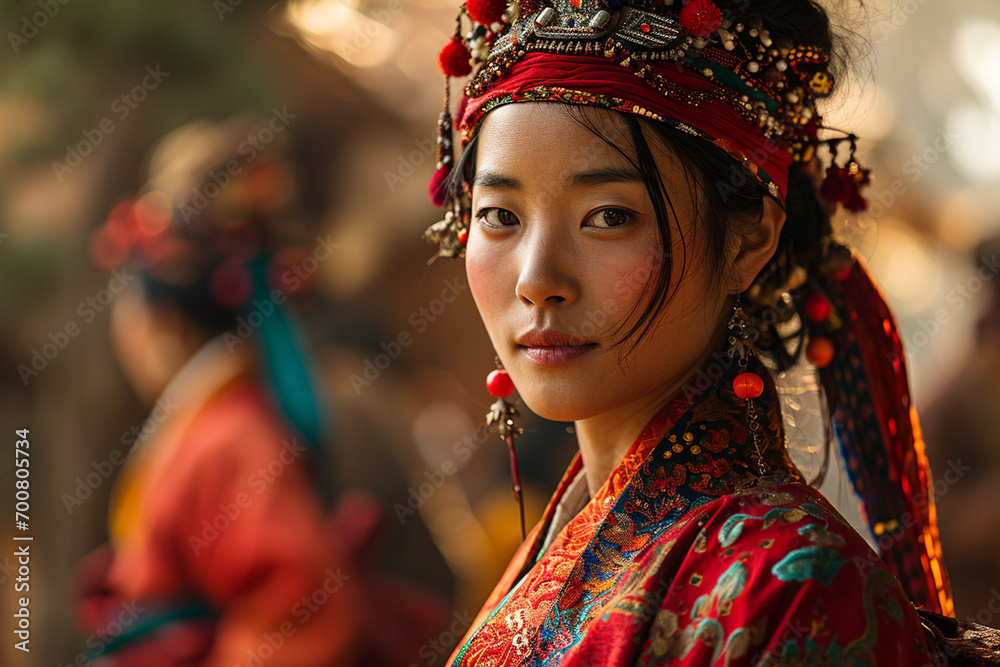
(562, 244)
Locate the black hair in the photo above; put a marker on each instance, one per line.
(193, 300)
(731, 199)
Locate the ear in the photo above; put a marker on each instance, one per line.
(758, 244)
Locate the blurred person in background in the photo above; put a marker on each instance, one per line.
(962, 431)
(226, 546)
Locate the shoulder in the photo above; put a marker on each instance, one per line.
(774, 519)
(243, 422)
(776, 576)
(237, 443)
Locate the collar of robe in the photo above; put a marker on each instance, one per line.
(698, 448)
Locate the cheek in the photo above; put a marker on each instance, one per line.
(621, 279)
(487, 282)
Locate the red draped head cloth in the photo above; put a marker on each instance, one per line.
(596, 81)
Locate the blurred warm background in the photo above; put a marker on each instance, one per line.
(87, 89)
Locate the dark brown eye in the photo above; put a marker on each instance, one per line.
(498, 217)
(609, 217)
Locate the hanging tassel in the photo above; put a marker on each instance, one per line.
(842, 185)
(858, 177)
(436, 188)
(502, 413)
(836, 186)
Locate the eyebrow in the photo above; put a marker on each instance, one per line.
(606, 175)
(592, 177)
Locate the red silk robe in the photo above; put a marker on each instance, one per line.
(688, 555)
(221, 551)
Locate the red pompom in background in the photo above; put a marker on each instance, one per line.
(486, 12)
(454, 58)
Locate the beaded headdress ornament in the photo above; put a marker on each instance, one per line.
(689, 66)
(694, 67)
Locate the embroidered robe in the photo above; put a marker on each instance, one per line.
(690, 555)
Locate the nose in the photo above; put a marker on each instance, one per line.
(549, 265)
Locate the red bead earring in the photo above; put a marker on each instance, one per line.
(502, 413)
(747, 385)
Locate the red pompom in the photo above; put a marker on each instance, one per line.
(436, 189)
(817, 307)
(837, 185)
(463, 237)
(820, 351)
(486, 12)
(748, 385)
(701, 18)
(454, 58)
(499, 384)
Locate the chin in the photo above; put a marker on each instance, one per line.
(558, 404)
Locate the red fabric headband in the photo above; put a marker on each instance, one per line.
(595, 81)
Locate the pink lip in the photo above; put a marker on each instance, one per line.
(550, 347)
(556, 355)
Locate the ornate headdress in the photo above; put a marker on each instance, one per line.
(699, 69)
(691, 66)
